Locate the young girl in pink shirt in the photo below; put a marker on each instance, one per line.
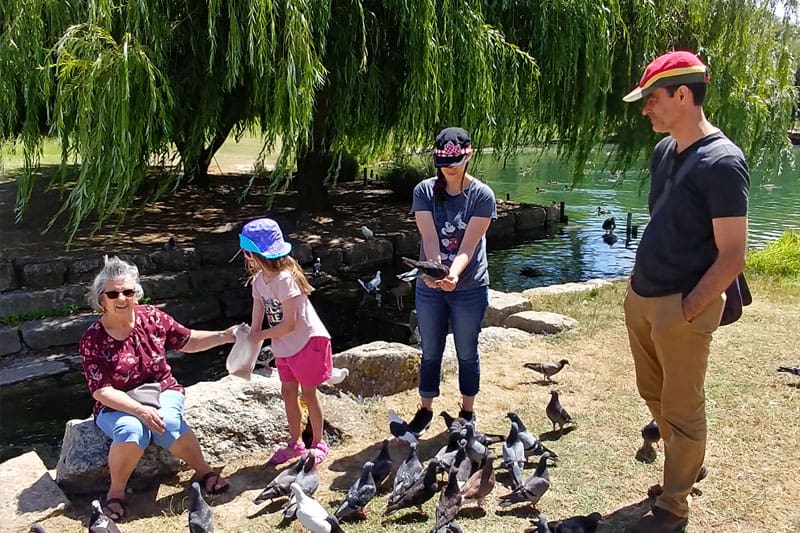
(300, 341)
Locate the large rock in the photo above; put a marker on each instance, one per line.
(563, 288)
(231, 418)
(541, 322)
(502, 305)
(28, 493)
(45, 275)
(490, 339)
(58, 331)
(167, 285)
(366, 253)
(9, 340)
(24, 302)
(83, 463)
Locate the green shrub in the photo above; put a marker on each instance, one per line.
(778, 258)
(404, 174)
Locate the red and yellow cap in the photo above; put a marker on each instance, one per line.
(673, 68)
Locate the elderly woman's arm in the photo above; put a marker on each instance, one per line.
(200, 340)
(116, 399)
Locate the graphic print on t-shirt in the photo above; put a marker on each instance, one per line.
(274, 311)
(452, 233)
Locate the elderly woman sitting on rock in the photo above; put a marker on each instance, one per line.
(137, 398)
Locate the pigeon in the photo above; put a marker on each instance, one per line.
(532, 489)
(408, 471)
(170, 244)
(650, 432)
(529, 442)
(449, 503)
(428, 269)
(609, 224)
(420, 491)
(201, 520)
(541, 525)
(400, 292)
(481, 483)
(790, 369)
(475, 449)
(557, 414)
(337, 376)
(576, 524)
(447, 453)
(547, 369)
(359, 495)
(99, 522)
(514, 456)
(367, 233)
(372, 285)
(311, 514)
(382, 464)
(279, 486)
(36, 528)
(455, 425)
(308, 480)
(317, 268)
(461, 465)
(399, 428)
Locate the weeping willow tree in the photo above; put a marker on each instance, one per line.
(156, 86)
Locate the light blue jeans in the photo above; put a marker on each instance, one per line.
(123, 427)
(437, 310)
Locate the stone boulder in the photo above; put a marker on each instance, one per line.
(541, 322)
(496, 338)
(384, 368)
(563, 288)
(502, 305)
(28, 493)
(231, 417)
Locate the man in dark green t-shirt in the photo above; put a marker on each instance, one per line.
(690, 252)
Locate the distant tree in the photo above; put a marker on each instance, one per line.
(132, 87)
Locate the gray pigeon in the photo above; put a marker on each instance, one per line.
(407, 472)
(382, 464)
(557, 414)
(308, 480)
(279, 486)
(576, 524)
(481, 483)
(461, 465)
(455, 425)
(311, 514)
(360, 494)
(790, 369)
(541, 525)
(99, 522)
(420, 491)
(475, 449)
(400, 429)
(532, 489)
(529, 442)
(201, 520)
(547, 369)
(372, 285)
(514, 456)
(449, 504)
(317, 268)
(446, 454)
(36, 528)
(428, 269)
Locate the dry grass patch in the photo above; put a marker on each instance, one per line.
(753, 412)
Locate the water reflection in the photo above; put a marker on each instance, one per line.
(579, 252)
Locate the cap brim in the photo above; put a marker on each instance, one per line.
(634, 95)
(440, 161)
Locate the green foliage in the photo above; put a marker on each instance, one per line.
(779, 258)
(404, 173)
(19, 318)
(124, 86)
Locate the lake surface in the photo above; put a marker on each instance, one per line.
(577, 251)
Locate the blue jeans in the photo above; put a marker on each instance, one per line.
(436, 311)
(123, 427)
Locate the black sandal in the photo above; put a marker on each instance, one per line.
(114, 515)
(216, 477)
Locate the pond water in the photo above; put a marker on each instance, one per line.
(34, 413)
(577, 252)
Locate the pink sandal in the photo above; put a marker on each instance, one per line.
(287, 453)
(320, 451)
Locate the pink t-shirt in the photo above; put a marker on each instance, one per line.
(307, 323)
(140, 358)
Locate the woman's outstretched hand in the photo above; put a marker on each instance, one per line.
(447, 283)
(229, 335)
(151, 418)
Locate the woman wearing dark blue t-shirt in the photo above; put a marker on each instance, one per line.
(452, 212)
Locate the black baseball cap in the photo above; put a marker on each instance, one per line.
(452, 147)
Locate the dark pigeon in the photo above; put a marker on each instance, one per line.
(449, 503)
(650, 432)
(201, 520)
(541, 525)
(557, 414)
(99, 522)
(548, 370)
(36, 528)
(279, 486)
(420, 491)
(407, 472)
(532, 489)
(576, 524)
(382, 465)
(430, 269)
(360, 494)
(795, 370)
(481, 483)
(399, 428)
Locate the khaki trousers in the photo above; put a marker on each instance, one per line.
(670, 356)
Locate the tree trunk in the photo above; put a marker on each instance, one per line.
(309, 182)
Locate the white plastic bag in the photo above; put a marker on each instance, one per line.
(242, 358)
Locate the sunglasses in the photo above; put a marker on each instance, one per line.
(113, 295)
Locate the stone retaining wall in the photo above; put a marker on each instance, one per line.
(195, 285)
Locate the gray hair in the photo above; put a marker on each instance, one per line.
(113, 268)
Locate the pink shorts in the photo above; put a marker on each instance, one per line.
(311, 366)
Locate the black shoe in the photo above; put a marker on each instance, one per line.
(421, 421)
(469, 416)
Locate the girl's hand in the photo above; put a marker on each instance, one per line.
(448, 283)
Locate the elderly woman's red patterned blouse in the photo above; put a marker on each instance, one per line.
(140, 358)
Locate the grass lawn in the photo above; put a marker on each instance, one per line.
(753, 414)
